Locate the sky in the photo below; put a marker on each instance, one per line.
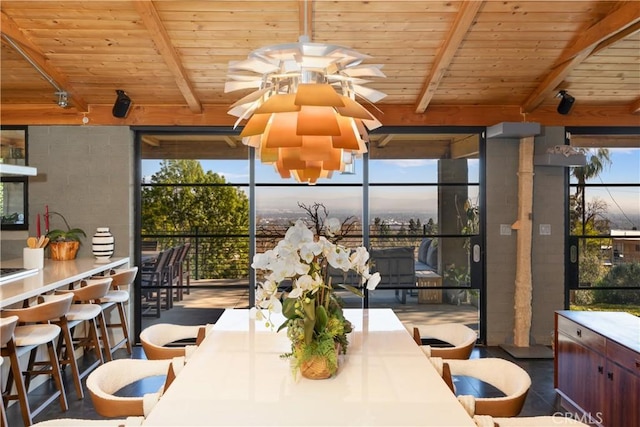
(626, 161)
(387, 171)
(625, 169)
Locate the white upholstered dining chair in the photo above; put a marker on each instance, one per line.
(156, 338)
(513, 381)
(461, 338)
(106, 380)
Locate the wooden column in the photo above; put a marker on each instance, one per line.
(524, 227)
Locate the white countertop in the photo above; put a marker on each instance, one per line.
(54, 275)
(236, 378)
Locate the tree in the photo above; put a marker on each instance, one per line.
(431, 227)
(185, 200)
(415, 227)
(624, 276)
(380, 227)
(597, 161)
(588, 218)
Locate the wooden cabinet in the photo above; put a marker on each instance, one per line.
(597, 366)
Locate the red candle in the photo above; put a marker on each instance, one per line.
(38, 226)
(46, 218)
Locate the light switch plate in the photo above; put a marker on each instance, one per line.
(505, 230)
(545, 229)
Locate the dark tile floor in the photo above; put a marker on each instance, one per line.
(541, 400)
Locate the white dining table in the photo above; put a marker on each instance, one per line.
(236, 377)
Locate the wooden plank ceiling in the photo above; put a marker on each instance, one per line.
(447, 62)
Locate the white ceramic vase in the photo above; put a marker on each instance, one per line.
(102, 244)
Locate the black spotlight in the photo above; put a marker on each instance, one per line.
(122, 104)
(566, 102)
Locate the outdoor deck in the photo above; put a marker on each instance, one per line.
(208, 298)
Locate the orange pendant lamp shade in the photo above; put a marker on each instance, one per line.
(303, 117)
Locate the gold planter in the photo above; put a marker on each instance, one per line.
(316, 368)
(63, 251)
(319, 367)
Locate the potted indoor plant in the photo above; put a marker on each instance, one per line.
(64, 244)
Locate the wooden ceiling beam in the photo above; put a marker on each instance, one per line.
(161, 39)
(620, 19)
(461, 25)
(619, 141)
(38, 60)
(195, 150)
(627, 32)
(392, 115)
(581, 48)
(384, 141)
(417, 150)
(466, 147)
(231, 141)
(151, 140)
(11, 29)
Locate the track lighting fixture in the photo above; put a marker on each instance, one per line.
(63, 99)
(122, 104)
(566, 102)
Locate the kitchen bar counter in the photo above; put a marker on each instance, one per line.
(55, 274)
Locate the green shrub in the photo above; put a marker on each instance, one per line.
(622, 275)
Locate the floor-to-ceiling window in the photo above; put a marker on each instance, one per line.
(603, 219)
(193, 191)
(412, 190)
(426, 196)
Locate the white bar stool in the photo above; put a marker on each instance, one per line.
(7, 326)
(27, 338)
(83, 310)
(118, 296)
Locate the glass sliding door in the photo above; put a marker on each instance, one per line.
(604, 216)
(426, 205)
(413, 200)
(194, 205)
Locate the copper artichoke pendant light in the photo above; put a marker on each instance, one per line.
(303, 116)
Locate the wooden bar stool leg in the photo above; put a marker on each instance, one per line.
(21, 391)
(105, 337)
(124, 326)
(69, 358)
(57, 376)
(3, 417)
(95, 337)
(30, 365)
(53, 370)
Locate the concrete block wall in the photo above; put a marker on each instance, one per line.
(547, 250)
(501, 208)
(86, 174)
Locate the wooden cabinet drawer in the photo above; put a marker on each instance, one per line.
(623, 356)
(583, 335)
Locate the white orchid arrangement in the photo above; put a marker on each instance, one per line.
(312, 310)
